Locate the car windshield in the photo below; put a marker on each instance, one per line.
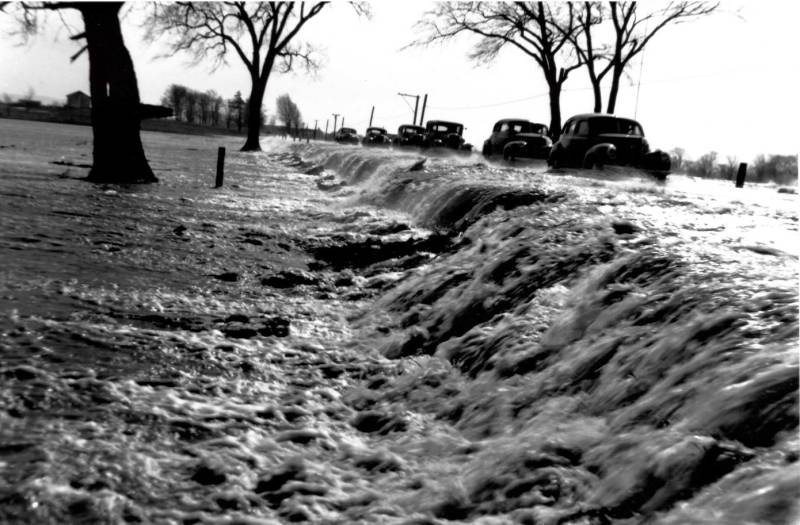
(623, 126)
(411, 129)
(523, 126)
(442, 127)
(376, 131)
(347, 130)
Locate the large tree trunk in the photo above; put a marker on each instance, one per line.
(118, 152)
(254, 116)
(598, 99)
(612, 93)
(555, 109)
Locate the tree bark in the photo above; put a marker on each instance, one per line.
(118, 155)
(254, 116)
(555, 110)
(612, 93)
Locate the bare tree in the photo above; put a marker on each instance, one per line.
(262, 34)
(30, 94)
(175, 97)
(587, 15)
(288, 112)
(216, 106)
(118, 155)
(540, 30)
(777, 168)
(704, 166)
(235, 106)
(190, 105)
(677, 155)
(631, 30)
(730, 167)
(204, 107)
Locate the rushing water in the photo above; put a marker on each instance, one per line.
(350, 335)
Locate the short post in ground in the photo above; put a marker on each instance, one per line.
(220, 166)
(741, 175)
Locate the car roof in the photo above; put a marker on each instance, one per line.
(444, 122)
(596, 115)
(513, 120)
(376, 128)
(520, 120)
(410, 126)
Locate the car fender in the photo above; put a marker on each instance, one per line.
(556, 158)
(600, 155)
(658, 163)
(514, 148)
(487, 148)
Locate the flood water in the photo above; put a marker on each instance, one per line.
(351, 335)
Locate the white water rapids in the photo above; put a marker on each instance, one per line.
(332, 338)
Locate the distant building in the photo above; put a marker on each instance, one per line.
(79, 100)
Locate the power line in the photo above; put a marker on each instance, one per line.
(491, 105)
(494, 104)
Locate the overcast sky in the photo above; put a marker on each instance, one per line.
(727, 83)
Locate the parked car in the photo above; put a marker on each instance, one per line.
(594, 140)
(444, 134)
(514, 138)
(410, 135)
(376, 136)
(346, 136)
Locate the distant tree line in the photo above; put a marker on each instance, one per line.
(208, 108)
(781, 169)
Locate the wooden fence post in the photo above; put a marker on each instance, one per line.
(741, 175)
(220, 166)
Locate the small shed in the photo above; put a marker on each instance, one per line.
(79, 100)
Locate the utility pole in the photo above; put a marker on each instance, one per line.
(371, 114)
(424, 104)
(335, 119)
(342, 122)
(315, 129)
(416, 104)
(326, 128)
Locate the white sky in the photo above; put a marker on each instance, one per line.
(727, 83)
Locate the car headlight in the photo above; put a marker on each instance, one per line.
(547, 141)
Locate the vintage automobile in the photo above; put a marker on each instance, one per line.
(376, 136)
(594, 140)
(346, 136)
(409, 135)
(444, 134)
(516, 138)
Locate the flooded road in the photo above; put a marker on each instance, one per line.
(350, 335)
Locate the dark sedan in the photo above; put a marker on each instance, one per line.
(376, 136)
(594, 140)
(346, 136)
(444, 134)
(409, 135)
(516, 138)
